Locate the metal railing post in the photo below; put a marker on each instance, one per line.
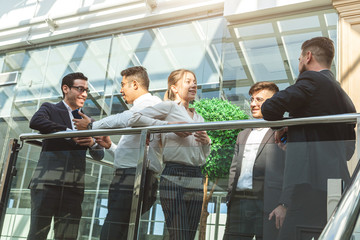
(9, 171)
(136, 206)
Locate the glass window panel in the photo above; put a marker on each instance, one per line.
(265, 59)
(299, 23)
(233, 69)
(253, 30)
(2, 59)
(58, 66)
(14, 61)
(213, 29)
(238, 93)
(159, 65)
(32, 72)
(333, 36)
(331, 19)
(6, 99)
(93, 61)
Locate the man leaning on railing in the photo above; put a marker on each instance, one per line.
(315, 153)
(57, 185)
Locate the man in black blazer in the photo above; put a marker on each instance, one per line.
(315, 152)
(57, 185)
(257, 204)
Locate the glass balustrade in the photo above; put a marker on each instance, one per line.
(168, 200)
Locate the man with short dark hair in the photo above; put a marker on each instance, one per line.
(134, 90)
(257, 205)
(57, 185)
(315, 152)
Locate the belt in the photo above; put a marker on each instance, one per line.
(181, 166)
(126, 171)
(248, 194)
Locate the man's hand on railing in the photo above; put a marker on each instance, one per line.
(84, 141)
(202, 137)
(103, 141)
(181, 134)
(82, 124)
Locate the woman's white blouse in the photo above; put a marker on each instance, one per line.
(175, 149)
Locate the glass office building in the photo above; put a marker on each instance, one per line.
(227, 55)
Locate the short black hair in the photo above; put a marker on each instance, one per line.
(68, 80)
(139, 74)
(322, 48)
(263, 85)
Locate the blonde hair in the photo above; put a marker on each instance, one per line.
(173, 78)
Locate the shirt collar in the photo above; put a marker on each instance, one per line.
(141, 98)
(68, 108)
(178, 102)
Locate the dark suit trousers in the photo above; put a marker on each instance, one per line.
(307, 210)
(244, 218)
(117, 220)
(62, 203)
(181, 196)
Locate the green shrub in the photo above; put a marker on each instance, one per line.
(223, 141)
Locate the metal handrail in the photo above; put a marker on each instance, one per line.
(343, 220)
(224, 125)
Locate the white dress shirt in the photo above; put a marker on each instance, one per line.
(126, 152)
(175, 149)
(71, 116)
(251, 148)
(95, 145)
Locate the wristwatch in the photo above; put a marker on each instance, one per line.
(89, 126)
(284, 205)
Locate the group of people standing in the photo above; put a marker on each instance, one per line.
(274, 182)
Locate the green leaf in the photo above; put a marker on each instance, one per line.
(223, 141)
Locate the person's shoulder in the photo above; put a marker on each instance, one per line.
(307, 75)
(315, 75)
(49, 105)
(155, 99)
(169, 103)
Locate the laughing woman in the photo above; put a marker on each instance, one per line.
(181, 182)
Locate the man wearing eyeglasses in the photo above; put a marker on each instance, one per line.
(57, 185)
(256, 202)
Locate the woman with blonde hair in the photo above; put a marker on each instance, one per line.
(181, 182)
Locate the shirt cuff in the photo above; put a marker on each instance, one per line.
(112, 147)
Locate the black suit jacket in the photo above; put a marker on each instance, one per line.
(315, 152)
(61, 162)
(269, 157)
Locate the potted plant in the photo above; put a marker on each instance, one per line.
(222, 147)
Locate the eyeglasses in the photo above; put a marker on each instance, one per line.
(81, 89)
(257, 100)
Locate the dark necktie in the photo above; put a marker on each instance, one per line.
(76, 114)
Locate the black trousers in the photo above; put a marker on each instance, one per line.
(244, 219)
(117, 220)
(307, 211)
(62, 203)
(181, 196)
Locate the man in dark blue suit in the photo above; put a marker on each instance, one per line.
(57, 185)
(315, 152)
